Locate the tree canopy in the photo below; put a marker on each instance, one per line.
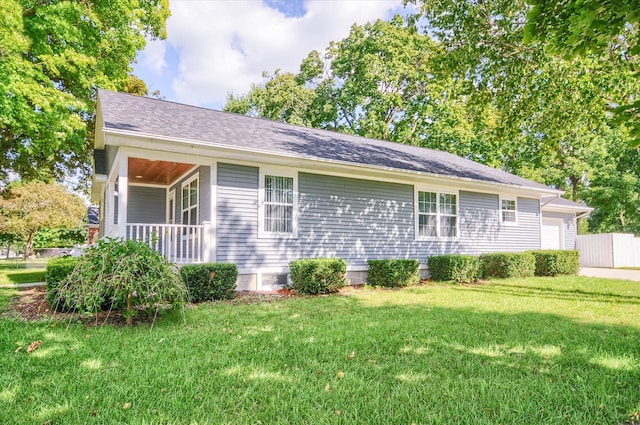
(53, 55)
(27, 208)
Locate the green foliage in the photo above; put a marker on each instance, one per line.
(28, 207)
(555, 262)
(393, 273)
(60, 237)
(458, 268)
(508, 264)
(121, 275)
(58, 269)
(318, 275)
(54, 55)
(208, 282)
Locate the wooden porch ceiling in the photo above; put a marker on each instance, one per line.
(156, 172)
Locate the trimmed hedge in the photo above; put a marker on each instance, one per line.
(393, 273)
(211, 281)
(555, 262)
(508, 264)
(57, 270)
(459, 268)
(318, 275)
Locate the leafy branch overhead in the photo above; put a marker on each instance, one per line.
(53, 56)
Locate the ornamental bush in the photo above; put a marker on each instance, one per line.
(318, 275)
(508, 264)
(393, 273)
(458, 268)
(555, 262)
(208, 282)
(57, 271)
(120, 275)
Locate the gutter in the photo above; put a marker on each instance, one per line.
(553, 200)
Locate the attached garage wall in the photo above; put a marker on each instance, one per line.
(569, 227)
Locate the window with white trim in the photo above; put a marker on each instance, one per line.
(190, 201)
(508, 213)
(437, 215)
(278, 210)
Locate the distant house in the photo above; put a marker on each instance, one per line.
(93, 223)
(208, 186)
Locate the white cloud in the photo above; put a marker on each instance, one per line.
(153, 56)
(223, 46)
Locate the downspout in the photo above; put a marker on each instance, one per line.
(547, 203)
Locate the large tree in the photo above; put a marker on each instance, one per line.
(53, 55)
(27, 208)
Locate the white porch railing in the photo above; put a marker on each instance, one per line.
(178, 243)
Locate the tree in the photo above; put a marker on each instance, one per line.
(26, 208)
(581, 27)
(53, 55)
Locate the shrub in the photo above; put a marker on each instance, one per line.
(555, 262)
(508, 264)
(119, 275)
(318, 275)
(459, 268)
(208, 282)
(57, 270)
(393, 273)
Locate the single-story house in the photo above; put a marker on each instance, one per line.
(207, 186)
(93, 223)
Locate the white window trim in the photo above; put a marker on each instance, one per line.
(416, 212)
(280, 172)
(187, 182)
(507, 198)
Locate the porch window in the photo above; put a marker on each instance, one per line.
(436, 215)
(278, 204)
(508, 211)
(190, 201)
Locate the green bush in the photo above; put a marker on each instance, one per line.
(121, 275)
(555, 262)
(393, 273)
(318, 275)
(508, 264)
(459, 268)
(57, 271)
(208, 282)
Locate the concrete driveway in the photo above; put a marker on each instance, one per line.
(619, 274)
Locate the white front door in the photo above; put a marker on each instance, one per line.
(552, 235)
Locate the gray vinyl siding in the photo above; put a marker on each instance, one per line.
(569, 227)
(147, 204)
(204, 194)
(357, 220)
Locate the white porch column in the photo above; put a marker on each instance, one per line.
(211, 235)
(123, 194)
(206, 242)
(109, 208)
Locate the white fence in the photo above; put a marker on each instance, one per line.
(178, 243)
(609, 250)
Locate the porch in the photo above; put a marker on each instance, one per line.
(165, 204)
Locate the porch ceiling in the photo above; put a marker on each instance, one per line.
(156, 172)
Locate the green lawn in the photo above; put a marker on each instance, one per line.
(532, 351)
(17, 271)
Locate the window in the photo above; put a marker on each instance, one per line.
(437, 215)
(278, 207)
(190, 201)
(507, 211)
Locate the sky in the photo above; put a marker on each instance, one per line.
(215, 47)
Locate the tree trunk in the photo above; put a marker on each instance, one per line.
(28, 249)
(129, 310)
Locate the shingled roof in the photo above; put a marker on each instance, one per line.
(163, 119)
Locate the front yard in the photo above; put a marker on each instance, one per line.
(536, 351)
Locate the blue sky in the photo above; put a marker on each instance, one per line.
(219, 46)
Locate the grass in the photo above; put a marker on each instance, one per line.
(538, 351)
(19, 271)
